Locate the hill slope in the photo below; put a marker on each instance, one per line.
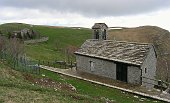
(22, 87)
(49, 87)
(149, 34)
(64, 38)
(10, 27)
(60, 38)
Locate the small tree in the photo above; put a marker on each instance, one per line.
(9, 35)
(15, 47)
(70, 52)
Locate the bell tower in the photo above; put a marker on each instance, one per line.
(100, 31)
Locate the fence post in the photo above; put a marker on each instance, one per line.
(17, 60)
(76, 65)
(39, 62)
(25, 65)
(1, 54)
(71, 65)
(43, 62)
(48, 63)
(65, 65)
(54, 64)
(39, 66)
(14, 62)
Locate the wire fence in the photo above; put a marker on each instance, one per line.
(24, 64)
(20, 63)
(58, 64)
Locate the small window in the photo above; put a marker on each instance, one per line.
(91, 65)
(145, 70)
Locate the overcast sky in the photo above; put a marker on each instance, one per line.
(85, 13)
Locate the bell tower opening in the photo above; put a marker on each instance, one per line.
(100, 31)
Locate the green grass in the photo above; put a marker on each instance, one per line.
(96, 91)
(58, 38)
(14, 88)
(10, 27)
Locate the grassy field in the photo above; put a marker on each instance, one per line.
(14, 88)
(18, 87)
(59, 38)
(10, 27)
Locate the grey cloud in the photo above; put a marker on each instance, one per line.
(90, 7)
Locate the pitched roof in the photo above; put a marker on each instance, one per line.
(126, 52)
(99, 25)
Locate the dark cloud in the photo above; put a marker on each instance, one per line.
(90, 7)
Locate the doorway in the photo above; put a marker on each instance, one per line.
(121, 72)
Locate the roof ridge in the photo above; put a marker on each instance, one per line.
(120, 41)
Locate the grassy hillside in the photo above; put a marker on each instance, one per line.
(59, 38)
(62, 38)
(149, 34)
(10, 27)
(143, 34)
(49, 87)
(14, 88)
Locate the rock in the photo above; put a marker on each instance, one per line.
(136, 96)
(43, 75)
(72, 87)
(141, 100)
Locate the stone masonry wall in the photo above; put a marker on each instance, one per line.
(101, 67)
(150, 72)
(107, 69)
(134, 74)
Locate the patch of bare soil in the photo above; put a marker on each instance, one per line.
(47, 82)
(76, 97)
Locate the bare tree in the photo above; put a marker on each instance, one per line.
(70, 52)
(15, 47)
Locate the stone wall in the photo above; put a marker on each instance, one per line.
(149, 69)
(134, 75)
(107, 69)
(100, 67)
(43, 39)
